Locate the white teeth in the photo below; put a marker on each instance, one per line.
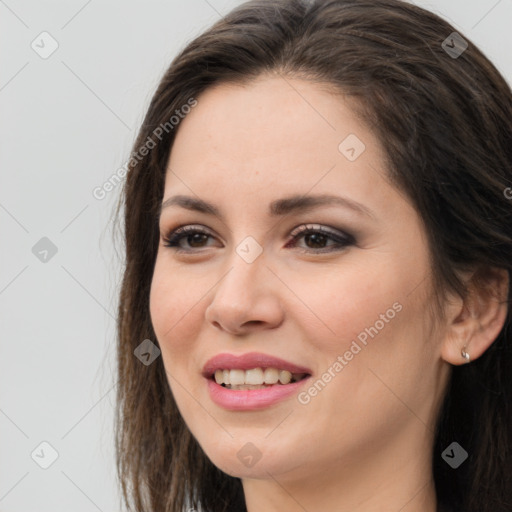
(254, 376)
(285, 377)
(271, 376)
(239, 379)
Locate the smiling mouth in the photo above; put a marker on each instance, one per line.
(255, 378)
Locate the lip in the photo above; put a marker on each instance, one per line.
(247, 361)
(250, 399)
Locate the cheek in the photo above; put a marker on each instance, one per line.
(362, 320)
(358, 303)
(175, 305)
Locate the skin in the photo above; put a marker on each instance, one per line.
(363, 443)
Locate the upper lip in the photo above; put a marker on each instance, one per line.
(247, 361)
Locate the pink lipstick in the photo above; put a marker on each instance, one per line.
(252, 381)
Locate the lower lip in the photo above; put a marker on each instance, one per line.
(251, 399)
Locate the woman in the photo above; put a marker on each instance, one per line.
(318, 248)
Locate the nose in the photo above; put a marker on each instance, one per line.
(246, 298)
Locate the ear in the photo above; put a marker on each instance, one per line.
(475, 322)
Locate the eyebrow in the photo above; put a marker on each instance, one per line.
(279, 207)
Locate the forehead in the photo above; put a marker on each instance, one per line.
(265, 118)
(273, 136)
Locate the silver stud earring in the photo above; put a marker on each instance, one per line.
(465, 355)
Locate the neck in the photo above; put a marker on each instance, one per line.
(387, 482)
(276, 496)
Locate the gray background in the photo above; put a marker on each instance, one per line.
(67, 124)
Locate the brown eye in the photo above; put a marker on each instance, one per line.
(317, 238)
(193, 236)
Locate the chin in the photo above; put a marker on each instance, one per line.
(261, 469)
(242, 458)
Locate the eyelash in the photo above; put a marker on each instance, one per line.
(343, 240)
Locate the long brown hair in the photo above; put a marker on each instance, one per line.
(445, 122)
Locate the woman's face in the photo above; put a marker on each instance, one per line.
(348, 306)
